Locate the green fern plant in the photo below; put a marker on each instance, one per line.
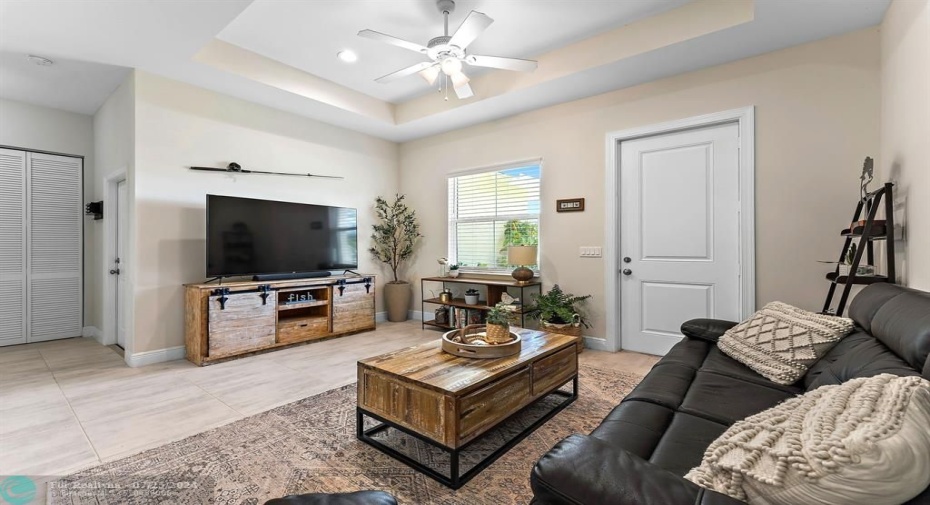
(558, 307)
(498, 315)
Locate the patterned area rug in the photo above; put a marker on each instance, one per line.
(310, 446)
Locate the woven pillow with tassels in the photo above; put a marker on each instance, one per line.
(781, 342)
(865, 441)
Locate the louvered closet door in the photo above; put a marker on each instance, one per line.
(12, 247)
(55, 246)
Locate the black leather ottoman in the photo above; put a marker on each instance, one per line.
(356, 498)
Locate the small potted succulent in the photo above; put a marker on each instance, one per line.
(454, 270)
(471, 296)
(498, 324)
(559, 312)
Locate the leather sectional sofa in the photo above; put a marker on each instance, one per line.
(642, 449)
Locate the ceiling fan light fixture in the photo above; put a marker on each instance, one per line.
(451, 66)
(347, 55)
(458, 79)
(430, 74)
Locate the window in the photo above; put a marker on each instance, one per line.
(490, 210)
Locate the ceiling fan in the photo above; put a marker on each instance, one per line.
(447, 53)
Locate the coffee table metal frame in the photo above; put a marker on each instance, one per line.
(454, 480)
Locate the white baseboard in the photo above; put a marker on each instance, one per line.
(597, 344)
(92, 332)
(416, 315)
(380, 317)
(158, 356)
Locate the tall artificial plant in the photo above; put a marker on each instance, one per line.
(396, 234)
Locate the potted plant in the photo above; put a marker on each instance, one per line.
(471, 296)
(395, 236)
(454, 270)
(498, 324)
(559, 312)
(850, 257)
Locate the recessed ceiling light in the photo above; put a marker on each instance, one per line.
(347, 55)
(38, 60)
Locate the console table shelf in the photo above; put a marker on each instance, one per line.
(494, 290)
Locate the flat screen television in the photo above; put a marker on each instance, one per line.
(246, 236)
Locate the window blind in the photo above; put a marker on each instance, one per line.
(489, 211)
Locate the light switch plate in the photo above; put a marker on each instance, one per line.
(589, 251)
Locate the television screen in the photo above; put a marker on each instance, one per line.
(246, 236)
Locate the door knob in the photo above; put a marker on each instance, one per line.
(627, 271)
(627, 259)
(115, 271)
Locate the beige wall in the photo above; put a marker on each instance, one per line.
(114, 150)
(905, 130)
(178, 125)
(817, 115)
(44, 129)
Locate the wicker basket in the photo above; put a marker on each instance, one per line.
(497, 334)
(564, 329)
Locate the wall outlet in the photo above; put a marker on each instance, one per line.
(590, 252)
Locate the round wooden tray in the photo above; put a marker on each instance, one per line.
(486, 351)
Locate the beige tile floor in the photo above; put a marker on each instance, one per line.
(71, 404)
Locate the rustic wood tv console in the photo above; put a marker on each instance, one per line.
(238, 318)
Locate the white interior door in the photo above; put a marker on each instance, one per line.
(122, 234)
(679, 233)
(55, 246)
(12, 247)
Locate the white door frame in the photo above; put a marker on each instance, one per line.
(110, 192)
(745, 117)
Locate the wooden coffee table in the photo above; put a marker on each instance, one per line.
(449, 401)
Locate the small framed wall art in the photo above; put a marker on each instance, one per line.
(570, 205)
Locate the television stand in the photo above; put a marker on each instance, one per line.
(240, 318)
(290, 276)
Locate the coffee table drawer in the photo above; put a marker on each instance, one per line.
(486, 407)
(555, 370)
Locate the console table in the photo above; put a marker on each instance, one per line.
(238, 318)
(493, 291)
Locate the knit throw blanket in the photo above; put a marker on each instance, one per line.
(830, 445)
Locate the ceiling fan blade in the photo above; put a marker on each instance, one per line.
(405, 72)
(380, 37)
(459, 79)
(464, 91)
(431, 73)
(515, 64)
(468, 31)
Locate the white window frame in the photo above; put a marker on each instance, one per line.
(453, 238)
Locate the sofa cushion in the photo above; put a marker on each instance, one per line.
(665, 385)
(726, 400)
(635, 426)
(689, 352)
(869, 301)
(864, 441)
(780, 341)
(856, 338)
(684, 442)
(719, 363)
(903, 324)
(866, 359)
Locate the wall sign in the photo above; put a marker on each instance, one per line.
(570, 205)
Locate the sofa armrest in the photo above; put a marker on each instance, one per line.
(581, 470)
(706, 329)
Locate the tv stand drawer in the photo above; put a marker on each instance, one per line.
(299, 330)
(240, 323)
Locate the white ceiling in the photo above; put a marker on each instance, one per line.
(164, 37)
(75, 86)
(307, 35)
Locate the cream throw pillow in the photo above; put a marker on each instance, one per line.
(780, 342)
(864, 441)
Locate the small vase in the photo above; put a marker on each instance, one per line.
(471, 299)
